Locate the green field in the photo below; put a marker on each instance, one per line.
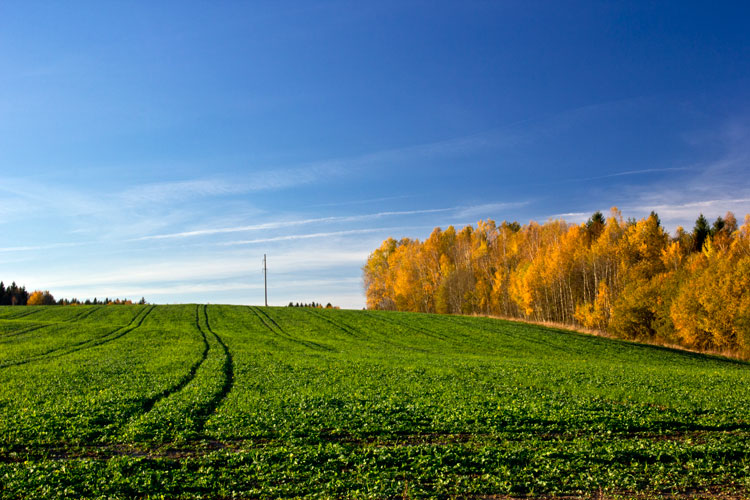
(197, 401)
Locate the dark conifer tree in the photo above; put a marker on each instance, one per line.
(595, 225)
(655, 216)
(700, 233)
(718, 226)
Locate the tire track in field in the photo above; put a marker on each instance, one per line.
(458, 337)
(522, 338)
(196, 396)
(265, 322)
(226, 388)
(308, 343)
(75, 317)
(344, 328)
(468, 329)
(148, 404)
(275, 328)
(24, 314)
(21, 332)
(86, 344)
(539, 340)
(83, 315)
(80, 316)
(356, 333)
(413, 328)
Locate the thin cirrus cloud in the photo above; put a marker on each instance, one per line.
(51, 246)
(291, 223)
(718, 186)
(176, 191)
(205, 268)
(37, 199)
(458, 211)
(310, 172)
(77, 201)
(571, 216)
(291, 237)
(489, 208)
(461, 145)
(641, 172)
(682, 211)
(198, 288)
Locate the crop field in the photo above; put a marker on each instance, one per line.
(197, 401)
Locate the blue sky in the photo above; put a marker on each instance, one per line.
(159, 149)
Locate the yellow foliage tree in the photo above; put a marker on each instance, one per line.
(595, 315)
(629, 278)
(41, 298)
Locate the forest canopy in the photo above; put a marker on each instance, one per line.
(15, 295)
(626, 277)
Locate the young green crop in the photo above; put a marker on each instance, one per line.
(213, 401)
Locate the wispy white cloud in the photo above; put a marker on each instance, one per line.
(189, 288)
(68, 201)
(492, 138)
(47, 200)
(641, 172)
(644, 173)
(266, 177)
(291, 223)
(690, 210)
(576, 217)
(51, 246)
(196, 269)
(168, 192)
(715, 186)
(489, 210)
(292, 237)
(360, 202)
(267, 180)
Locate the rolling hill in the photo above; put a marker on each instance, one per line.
(196, 401)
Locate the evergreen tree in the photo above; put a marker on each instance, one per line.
(656, 217)
(718, 226)
(701, 231)
(595, 225)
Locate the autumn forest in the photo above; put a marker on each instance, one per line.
(629, 278)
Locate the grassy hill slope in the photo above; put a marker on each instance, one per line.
(199, 401)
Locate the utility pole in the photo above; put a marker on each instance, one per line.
(265, 278)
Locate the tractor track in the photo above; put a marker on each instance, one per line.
(227, 369)
(265, 323)
(417, 329)
(354, 332)
(523, 338)
(24, 314)
(203, 411)
(344, 328)
(4, 337)
(80, 316)
(83, 315)
(149, 403)
(69, 349)
(273, 326)
(73, 318)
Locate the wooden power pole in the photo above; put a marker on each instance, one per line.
(265, 278)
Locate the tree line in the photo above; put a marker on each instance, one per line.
(14, 295)
(316, 305)
(626, 277)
